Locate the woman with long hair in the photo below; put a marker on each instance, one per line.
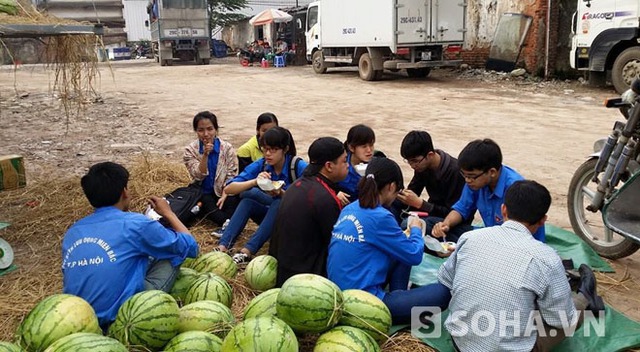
(369, 250)
(279, 164)
(211, 161)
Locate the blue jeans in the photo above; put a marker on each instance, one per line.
(160, 275)
(259, 207)
(399, 300)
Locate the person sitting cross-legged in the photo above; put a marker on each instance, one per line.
(503, 274)
(130, 252)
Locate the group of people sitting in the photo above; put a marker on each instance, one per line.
(261, 49)
(342, 214)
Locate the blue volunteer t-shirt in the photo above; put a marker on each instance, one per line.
(350, 184)
(489, 203)
(105, 257)
(255, 168)
(212, 166)
(364, 244)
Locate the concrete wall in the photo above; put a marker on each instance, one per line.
(482, 21)
(240, 33)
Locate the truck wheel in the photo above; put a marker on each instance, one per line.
(317, 61)
(625, 69)
(365, 68)
(418, 72)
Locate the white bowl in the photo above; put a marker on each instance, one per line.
(266, 184)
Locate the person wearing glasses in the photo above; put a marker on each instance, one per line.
(487, 180)
(261, 206)
(434, 171)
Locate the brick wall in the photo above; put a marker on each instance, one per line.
(532, 56)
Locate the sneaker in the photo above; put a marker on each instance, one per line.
(218, 233)
(588, 288)
(241, 258)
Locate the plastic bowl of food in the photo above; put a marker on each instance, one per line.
(267, 185)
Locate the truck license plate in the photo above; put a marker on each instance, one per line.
(425, 56)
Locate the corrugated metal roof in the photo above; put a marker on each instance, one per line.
(135, 14)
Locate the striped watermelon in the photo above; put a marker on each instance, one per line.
(148, 318)
(55, 317)
(218, 263)
(188, 263)
(209, 316)
(9, 347)
(211, 287)
(86, 342)
(346, 339)
(262, 305)
(367, 312)
(184, 280)
(309, 303)
(263, 334)
(261, 272)
(194, 341)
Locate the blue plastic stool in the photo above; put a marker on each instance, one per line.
(278, 61)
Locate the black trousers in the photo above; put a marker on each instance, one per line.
(210, 209)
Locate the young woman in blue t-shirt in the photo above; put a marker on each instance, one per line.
(359, 147)
(369, 250)
(261, 206)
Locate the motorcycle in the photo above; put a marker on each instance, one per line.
(604, 194)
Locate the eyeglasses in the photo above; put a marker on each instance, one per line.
(269, 150)
(413, 161)
(472, 177)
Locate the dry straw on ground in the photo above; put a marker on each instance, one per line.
(41, 213)
(72, 58)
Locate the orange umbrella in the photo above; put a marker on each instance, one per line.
(269, 16)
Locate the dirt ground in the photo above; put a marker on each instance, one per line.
(545, 129)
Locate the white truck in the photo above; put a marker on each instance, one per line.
(179, 31)
(606, 40)
(375, 35)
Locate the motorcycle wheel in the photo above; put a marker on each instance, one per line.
(590, 226)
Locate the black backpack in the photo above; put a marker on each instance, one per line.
(184, 203)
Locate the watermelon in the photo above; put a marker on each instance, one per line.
(148, 318)
(9, 347)
(262, 334)
(346, 339)
(184, 280)
(55, 317)
(367, 312)
(261, 272)
(263, 304)
(188, 263)
(194, 341)
(309, 303)
(209, 316)
(218, 263)
(86, 342)
(9, 6)
(209, 287)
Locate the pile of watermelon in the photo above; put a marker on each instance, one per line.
(196, 315)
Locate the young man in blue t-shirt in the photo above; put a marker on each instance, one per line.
(112, 254)
(487, 180)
